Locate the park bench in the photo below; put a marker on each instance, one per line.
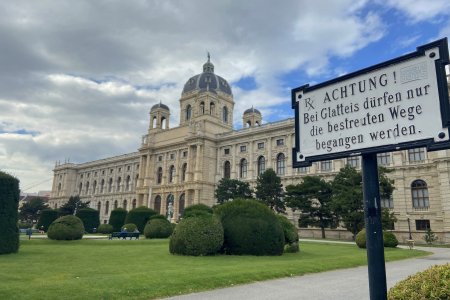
(124, 235)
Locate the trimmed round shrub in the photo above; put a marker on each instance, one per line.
(46, 218)
(360, 239)
(157, 217)
(250, 227)
(433, 283)
(130, 227)
(90, 218)
(140, 216)
(117, 218)
(196, 210)
(158, 229)
(105, 228)
(200, 235)
(66, 228)
(289, 230)
(389, 239)
(9, 204)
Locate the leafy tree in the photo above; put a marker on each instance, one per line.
(72, 205)
(313, 198)
(9, 202)
(90, 218)
(347, 197)
(232, 189)
(270, 190)
(30, 210)
(388, 219)
(117, 218)
(46, 218)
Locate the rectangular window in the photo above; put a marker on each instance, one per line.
(325, 165)
(185, 153)
(417, 154)
(110, 171)
(280, 142)
(128, 168)
(103, 172)
(160, 158)
(384, 159)
(172, 156)
(226, 151)
(120, 169)
(353, 161)
(95, 173)
(387, 203)
(260, 145)
(422, 224)
(302, 170)
(243, 148)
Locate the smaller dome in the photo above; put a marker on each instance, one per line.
(160, 105)
(252, 110)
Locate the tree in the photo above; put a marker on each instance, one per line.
(270, 190)
(9, 202)
(90, 218)
(388, 219)
(232, 189)
(46, 218)
(30, 210)
(72, 205)
(347, 198)
(313, 198)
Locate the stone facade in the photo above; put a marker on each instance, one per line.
(183, 164)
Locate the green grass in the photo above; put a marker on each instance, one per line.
(144, 269)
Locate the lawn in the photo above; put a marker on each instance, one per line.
(144, 269)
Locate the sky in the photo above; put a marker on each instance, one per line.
(78, 78)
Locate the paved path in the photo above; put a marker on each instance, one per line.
(347, 284)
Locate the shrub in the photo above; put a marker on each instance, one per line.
(433, 283)
(130, 227)
(197, 209)
(9, 204)
(389, 239)
(90, 218)
(105, 228)
(430, 237)
(158, 228)
(290, 232)
(200, 235)
(157, 217)
(361, 239)
(66, 228)
(25, 225)
(46, 218)
(250, 227)
(140, 216)
(117, 218)
(291, 248)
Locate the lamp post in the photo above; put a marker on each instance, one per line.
(409, 229)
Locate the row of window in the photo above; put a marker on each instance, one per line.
(128, 168)
(170, 200)
(172, 172)
(172, 156)
(102, 186)
(260, 145)
(261, 166)
(116, 205)
(212, 107)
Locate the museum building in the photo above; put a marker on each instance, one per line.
(182, 165)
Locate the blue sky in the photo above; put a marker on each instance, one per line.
(78, 78)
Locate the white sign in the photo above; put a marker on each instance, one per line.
(396, 104)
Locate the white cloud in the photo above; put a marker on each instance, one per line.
(421, 10)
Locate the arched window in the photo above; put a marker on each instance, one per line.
(188, 112)
(124, 204)
(243, 168)
(159, 176)
(227, 170)
(136, 181)
(212, 108)
(102, 185)
(280, 164)
(133, 204)
(94, 187)
(110, 185)
(107, 208)
(119, 181)
(127, 184)
(99, 206)
(154, 122)
(59, 188)
(181, 205)
(261, 165)
(115, 204)
(248, 124)
(157, 206)
(87, 188)
(163, 123)
(419, 192)
(171, 173)
(80, 187)
(183, 172)
(225, 114)
(202, 108)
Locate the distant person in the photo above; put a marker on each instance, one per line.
(29, 232)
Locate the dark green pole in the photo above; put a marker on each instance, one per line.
(374, 232)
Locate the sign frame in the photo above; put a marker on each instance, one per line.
(429, 143)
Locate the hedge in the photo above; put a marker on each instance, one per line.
(117, 218)
(250, 227)
(130, 227)
(140, 216)
(9, 205)
(290, 235)
(389, 239)
(199, 235)
(105, 228)
(158, 229)
(90, 218)
(197, 209)
(66, 228)
(46, 218)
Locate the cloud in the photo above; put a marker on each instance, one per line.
(421, 10)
